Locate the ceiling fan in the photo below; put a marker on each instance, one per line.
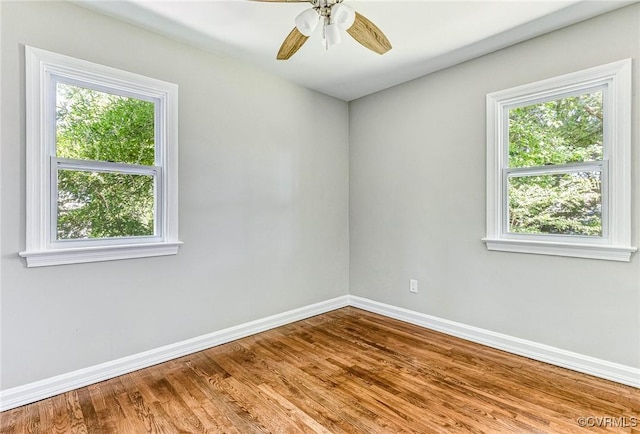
(335, 17)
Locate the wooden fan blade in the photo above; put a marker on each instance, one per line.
(369, 35)
(291, 44)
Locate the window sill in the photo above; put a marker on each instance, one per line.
(591, 251)
(98, 254)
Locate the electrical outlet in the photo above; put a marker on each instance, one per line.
(413, 285)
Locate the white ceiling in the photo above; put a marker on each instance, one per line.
(426, 35)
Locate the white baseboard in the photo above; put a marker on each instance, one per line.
(533, 350)
(32, 392)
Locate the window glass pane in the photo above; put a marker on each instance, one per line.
(557, 132)
(93, 125)
(104, 205)
(562, 204)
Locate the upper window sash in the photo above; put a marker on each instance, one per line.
(159, 102)
(614, 80)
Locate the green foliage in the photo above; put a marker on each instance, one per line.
(563, 131)
(94, 125)
(569, 204)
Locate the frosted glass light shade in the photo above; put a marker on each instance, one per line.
(307, 21)
(343, 16)
(333, 34)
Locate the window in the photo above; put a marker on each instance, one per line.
(101, 163)
(558, 165)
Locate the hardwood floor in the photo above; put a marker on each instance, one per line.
(347, 371)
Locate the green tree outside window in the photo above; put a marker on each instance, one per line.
(97, 126)
(559, 132)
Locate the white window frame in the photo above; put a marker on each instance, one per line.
(44, 69)
(614, 79)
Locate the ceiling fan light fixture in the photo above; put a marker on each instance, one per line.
(343, 16)
(336, 18)
(307, 21)
(332, 33)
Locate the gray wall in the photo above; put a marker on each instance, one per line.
(417, 203)
(263, 205)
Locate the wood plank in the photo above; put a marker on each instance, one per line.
(346, 371)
